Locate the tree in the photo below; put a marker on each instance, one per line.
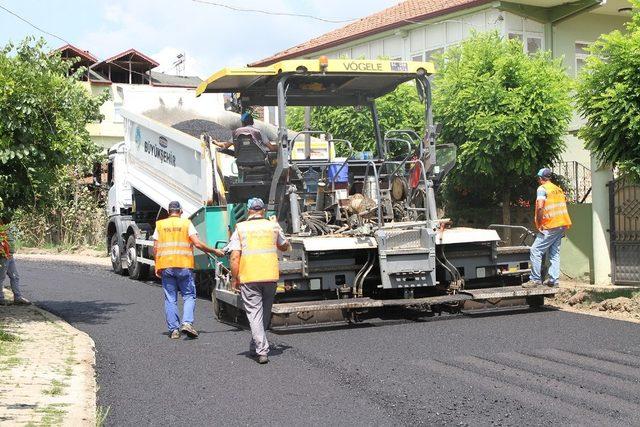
(400, 109)
(44, 111)
(609, 98)
(506, 112)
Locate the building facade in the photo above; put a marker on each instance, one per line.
(418, 29)
(132, 84)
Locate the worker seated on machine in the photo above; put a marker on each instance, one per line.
(247, 130)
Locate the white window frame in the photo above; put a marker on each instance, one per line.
(577, 55)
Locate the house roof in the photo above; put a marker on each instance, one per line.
(162, 79)
(70, 50)
(132, 54)
(406, 12)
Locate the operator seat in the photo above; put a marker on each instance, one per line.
(254, 170)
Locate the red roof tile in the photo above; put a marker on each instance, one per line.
(135, 52)
(79, 52)
(404, 13)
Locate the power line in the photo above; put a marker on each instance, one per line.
(267, 12)
(25, 20)
(33, 25)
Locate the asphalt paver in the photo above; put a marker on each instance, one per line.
(518, 367)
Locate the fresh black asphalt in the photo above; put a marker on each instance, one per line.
(515, 368)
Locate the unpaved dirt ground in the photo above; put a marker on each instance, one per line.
(81, 256)
(612, 302)
(46, 369)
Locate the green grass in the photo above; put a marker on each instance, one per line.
(51, 415)
(7, 337)
(102, 412)
(56, 388)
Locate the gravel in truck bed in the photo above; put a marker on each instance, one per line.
(197, 127)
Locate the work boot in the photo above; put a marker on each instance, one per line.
(21, 301)
(189, 330)
(175, 334)
(550, 283)
(262, 359)
(531, 284)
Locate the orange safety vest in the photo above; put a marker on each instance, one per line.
(4, 246)
(555, 212)
(174, 249)
(259, 258)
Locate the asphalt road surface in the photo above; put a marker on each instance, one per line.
(531, 367)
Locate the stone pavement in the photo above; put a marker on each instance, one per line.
(47, 375)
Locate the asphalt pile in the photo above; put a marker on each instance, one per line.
(197, 127)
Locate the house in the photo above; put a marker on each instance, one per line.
(418, 29)
(132, 84)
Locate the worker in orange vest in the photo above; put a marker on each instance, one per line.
(254, 269)
(552, 220)
(174, 239)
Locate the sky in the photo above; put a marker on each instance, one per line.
(211, 37)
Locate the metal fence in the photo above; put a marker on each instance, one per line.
(577, 177)
(624, 208)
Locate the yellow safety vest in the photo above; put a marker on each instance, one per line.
(259, 258)
(555, 212)
(174, 249)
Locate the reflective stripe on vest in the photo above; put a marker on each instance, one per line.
(555, 213)
(174, 248)
(259, 257)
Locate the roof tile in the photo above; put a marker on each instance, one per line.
(406, 12)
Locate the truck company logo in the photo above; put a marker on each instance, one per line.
(399, 66)
(138, 136)
(160, 153)
(359, 66)
(163, 142)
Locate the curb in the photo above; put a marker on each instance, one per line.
(82, 412)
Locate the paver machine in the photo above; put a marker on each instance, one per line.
(365, 232)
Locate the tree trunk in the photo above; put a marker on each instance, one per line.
(506, 215)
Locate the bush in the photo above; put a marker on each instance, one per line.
(74, 217)
(400, 109)
(609, 98)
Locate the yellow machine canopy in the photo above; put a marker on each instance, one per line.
(316, 82)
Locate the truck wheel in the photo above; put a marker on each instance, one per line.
(114, 251)
(218, 310)
(137, 270)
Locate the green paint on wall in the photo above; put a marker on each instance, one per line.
(576, 252)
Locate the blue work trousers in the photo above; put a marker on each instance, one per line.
(8, 268)
(174, 280)
(547, 241)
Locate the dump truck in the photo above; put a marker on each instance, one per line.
(366, 235)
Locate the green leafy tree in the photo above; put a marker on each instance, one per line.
(609, 98)
(400, 109)
(44, 111)
(506, 111)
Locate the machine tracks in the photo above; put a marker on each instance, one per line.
(590, 387)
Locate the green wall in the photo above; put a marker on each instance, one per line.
(586, 27)
(576, 252)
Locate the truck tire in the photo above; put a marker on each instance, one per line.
(137, 270)
(115, 254)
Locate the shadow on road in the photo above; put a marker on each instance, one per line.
(90, 312)
(274, 350)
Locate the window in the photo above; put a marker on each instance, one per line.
(429, 55)
(581, 55)
(517, 36)
(418, 58)
(534, 44)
